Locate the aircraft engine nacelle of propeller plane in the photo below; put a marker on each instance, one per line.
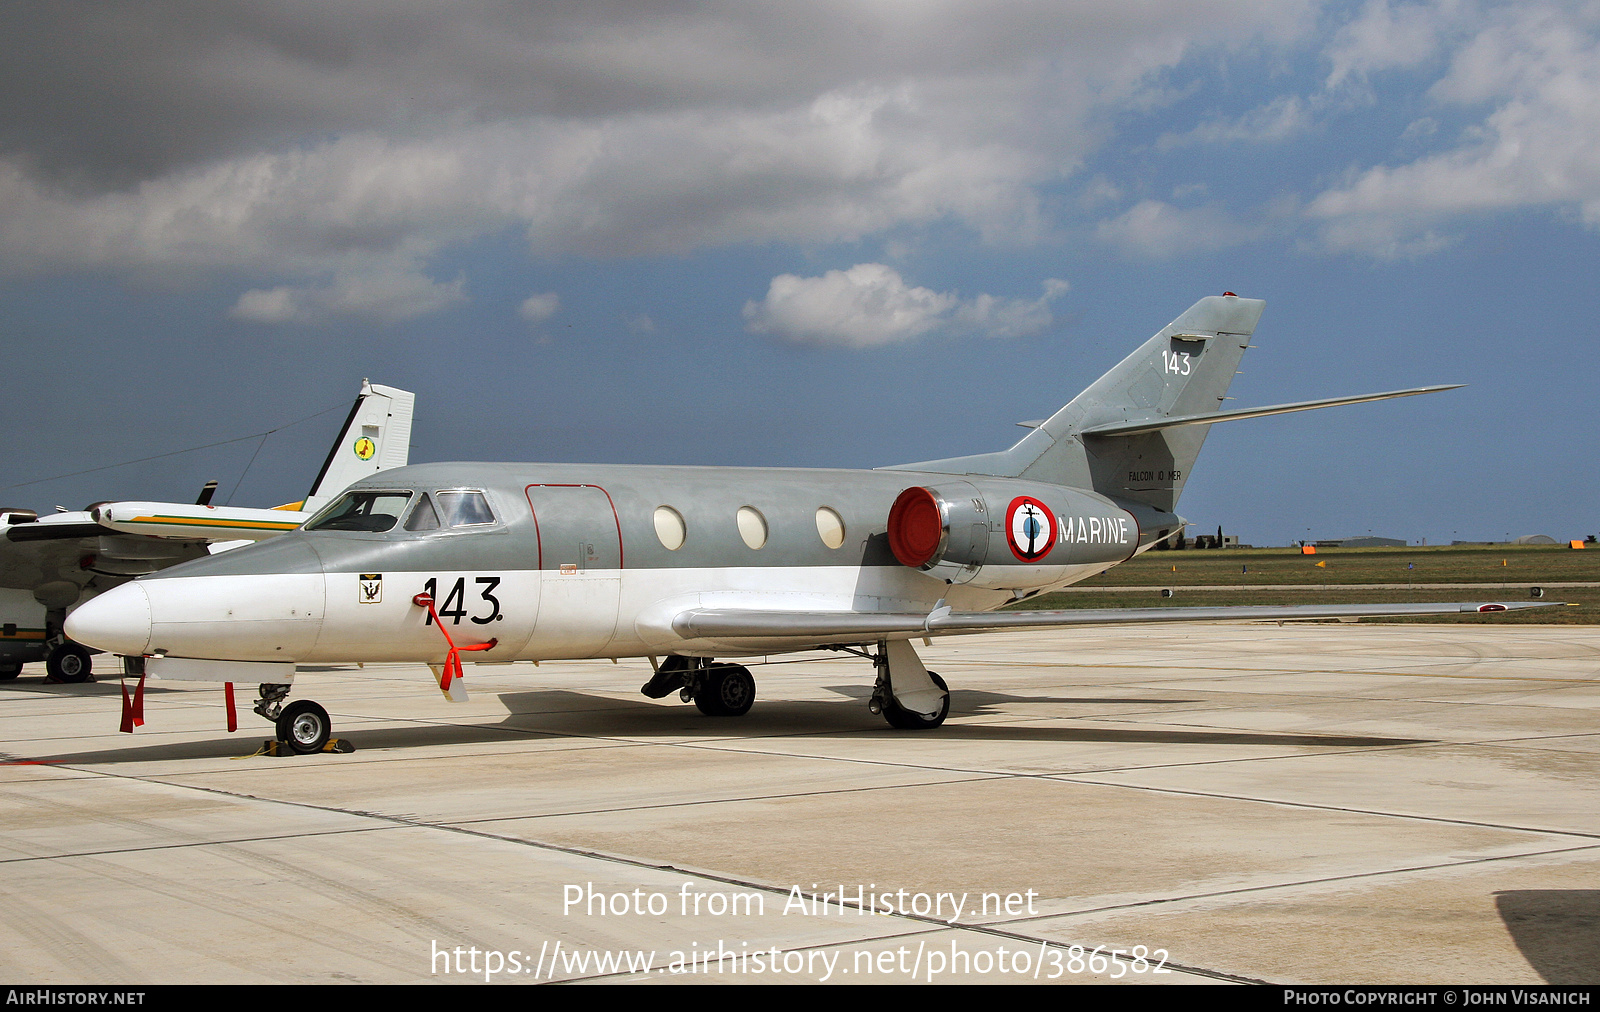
(682, 565)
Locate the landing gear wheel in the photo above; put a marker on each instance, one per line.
(726, 690)
(9, 671)
(69, 662)
(898, 716)
(304, 726)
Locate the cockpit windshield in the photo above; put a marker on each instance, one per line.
(370, 512)
(464, 508)
(423, 517)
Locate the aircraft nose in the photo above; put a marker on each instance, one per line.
(117, 621)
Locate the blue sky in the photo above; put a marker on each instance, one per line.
(815, 235)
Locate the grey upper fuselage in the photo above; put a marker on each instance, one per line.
(707, 498)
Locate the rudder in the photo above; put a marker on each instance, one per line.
(1185, 369)
(376, 437)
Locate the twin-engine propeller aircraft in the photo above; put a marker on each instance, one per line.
(685, 564)
(49, 564)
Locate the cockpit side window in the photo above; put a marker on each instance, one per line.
(423, 516)
(369, 512)
(464, 508)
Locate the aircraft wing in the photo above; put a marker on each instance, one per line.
(200, 523)
(74, 546)
(857, 627)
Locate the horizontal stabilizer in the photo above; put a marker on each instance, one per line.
(847, 626)
(1133, 428)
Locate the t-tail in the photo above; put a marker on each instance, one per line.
(1134, 434)
(376, 437)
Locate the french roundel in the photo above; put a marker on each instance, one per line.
(1030, 528)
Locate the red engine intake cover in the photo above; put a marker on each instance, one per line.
(915, 527)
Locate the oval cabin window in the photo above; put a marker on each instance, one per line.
(669, 528)
(830, 527)
(752, 526)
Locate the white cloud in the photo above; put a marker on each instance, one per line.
(392, 295)
(871, 304)
(539, 308)
(1278, 120)
(995, 317)
(387, 294)
(1388, 36)
(1156, 229)
(277, 305)
(1539, 67)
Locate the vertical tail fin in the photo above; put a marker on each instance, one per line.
(376, 437)
(1185, 369)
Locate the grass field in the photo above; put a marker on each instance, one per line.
(1410, 574)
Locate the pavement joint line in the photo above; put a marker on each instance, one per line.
(396, 821)
(1276, 886)
(713, 745)
(1318, 699)
(1378, 813)
(977, 775)
(1236, 672)
(113, 852)
(1487, 742)
(1410, 743)
(1148, 588)
(1064, 777)
(1058, 775)
(969, 778)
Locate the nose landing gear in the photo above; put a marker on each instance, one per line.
(302, 725)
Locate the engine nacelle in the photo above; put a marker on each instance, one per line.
(1008, 534)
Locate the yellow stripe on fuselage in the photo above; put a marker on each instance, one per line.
(249, 525)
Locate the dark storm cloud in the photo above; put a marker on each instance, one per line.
(109, 94)
(345, 144)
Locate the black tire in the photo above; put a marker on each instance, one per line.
(726, 690)
(304, 726)
(69, 663)
(9, 671)
(899, 717)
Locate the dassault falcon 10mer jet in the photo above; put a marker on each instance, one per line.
(682, 565)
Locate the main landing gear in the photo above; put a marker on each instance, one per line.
(302, 725)
(719, 689)
(906, 694)
(910, 720)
